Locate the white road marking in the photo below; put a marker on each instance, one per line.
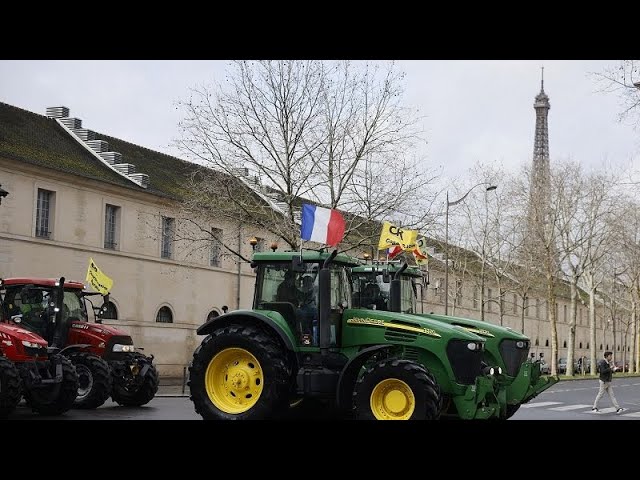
(570, 407)
(539, 404)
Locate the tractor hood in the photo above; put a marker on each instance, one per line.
(412, 323)
(484, 329)
(99, 329)
(20, 334)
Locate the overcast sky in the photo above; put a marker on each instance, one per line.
(474, 110)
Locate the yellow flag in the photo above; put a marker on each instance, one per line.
(419, 252)
(98, 280)
(392, 236)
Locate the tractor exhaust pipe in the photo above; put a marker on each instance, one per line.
(324, 301)
(58, 333)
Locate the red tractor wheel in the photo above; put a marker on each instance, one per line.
(9, 387)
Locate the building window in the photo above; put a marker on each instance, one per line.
(580, 344)
(564, 313)
(564, 344)
(557, 317)
(459, 292)
(215, 254)
(44, 213)
(587, 344)
(600, 346)
(580, 315)
(164, 315)
(546, 344)
(475, 297)
(515, 304)
(167, 237)
(440, 290)
(212, 314)
(110, 312)
(537, 308)
(537, 342)
(111, 219)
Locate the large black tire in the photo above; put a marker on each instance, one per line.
(94, 380)
(53, 400)
(137, 394)
(402, 375)
(272, 375)
(10, 390)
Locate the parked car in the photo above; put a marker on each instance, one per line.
(562, 366)
(620, 367)
(545, 368)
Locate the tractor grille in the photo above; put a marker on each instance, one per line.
(109, 354)
(513, 356)
(465, 363)
(399, 336)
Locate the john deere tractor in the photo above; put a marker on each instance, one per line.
(30, 368)
(395, 288)
(304, 338)
(106, 360)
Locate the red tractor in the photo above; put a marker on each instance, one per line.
(29, 367)
(105, 358)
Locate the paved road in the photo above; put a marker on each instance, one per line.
(566, 400)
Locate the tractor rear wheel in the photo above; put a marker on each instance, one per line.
(56, 399)
(94, 380)
(396, 389)
(10, 390)
(137, 393)
(239, 373)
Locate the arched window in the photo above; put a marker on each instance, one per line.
(111, 312)
(600, 346)
(546, 344)
(580, 344)
(618, 348)
(587, 344)
(537, 342)
(564, 344)
(164, 315)
(607, 346)
(212, 314)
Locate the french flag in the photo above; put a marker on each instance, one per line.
(322, 225)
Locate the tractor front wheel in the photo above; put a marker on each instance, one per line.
(239, 373)
(10, 391)
(395, 389)
(94, 380)
(56, 399)
(138, 391)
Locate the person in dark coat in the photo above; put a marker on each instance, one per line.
(605, 367)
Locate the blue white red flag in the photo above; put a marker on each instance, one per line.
(322, 225)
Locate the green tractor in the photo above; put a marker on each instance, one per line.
(505, 348)
(304, 339)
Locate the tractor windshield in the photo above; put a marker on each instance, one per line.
(74, 307)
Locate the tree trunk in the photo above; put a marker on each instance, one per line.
(551, 298)
(572, 328)
(592, 328)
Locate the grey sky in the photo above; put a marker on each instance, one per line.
(475, 110)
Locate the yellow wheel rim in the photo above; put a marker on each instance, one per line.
(234, 380)
(392, 399)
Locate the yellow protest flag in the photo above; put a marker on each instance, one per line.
(98, 280)
(392, 236)
(419, 252)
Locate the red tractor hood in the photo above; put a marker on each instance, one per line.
(17, 333)
(99, 329)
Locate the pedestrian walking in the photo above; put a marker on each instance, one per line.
(605, 367)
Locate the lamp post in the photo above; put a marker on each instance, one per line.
(253, 241)
(446, 239)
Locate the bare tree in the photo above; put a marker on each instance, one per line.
(280, 132)
(624, 81)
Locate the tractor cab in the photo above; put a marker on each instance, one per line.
(287, 284)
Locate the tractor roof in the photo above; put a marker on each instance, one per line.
(307, 256)
(40, 282)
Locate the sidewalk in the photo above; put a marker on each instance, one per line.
(172, 387)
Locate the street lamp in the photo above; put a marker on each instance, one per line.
(274, 245)
(253, 241)
(446, 239)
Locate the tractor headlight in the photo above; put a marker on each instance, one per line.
(29, 344)
(488, 370)
(472, 346)
(522, 344)
(499, 370)
(118, 347)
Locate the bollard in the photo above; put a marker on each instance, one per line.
(184, 379)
